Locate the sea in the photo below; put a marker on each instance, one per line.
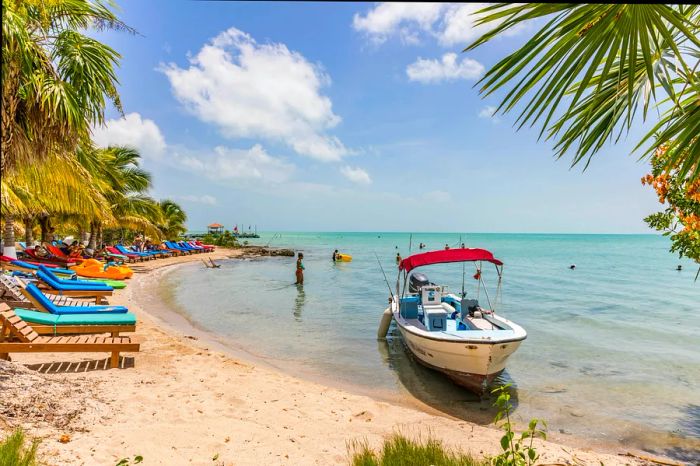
(612, 356)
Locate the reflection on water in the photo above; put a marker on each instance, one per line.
(299, 302)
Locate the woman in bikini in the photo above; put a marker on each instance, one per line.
(300, 270)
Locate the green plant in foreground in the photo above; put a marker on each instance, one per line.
(14, 453)
(516, 451)
(127, 462)
(399, 450)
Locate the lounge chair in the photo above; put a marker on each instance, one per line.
(211, 247)
(130, 256)
(190, 247)
(63, 324)
(123, 250)
(63, 281)
(176, 247)
(95, 289)
(11, 293)
(21, 266)
(50, 259)
(56, 251)
(17, 336)
(42, 303)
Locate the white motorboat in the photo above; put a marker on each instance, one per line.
(450, 333)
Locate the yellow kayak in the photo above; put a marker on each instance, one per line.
(343, 257)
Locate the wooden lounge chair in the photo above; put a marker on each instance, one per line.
(72, 324)
(16, 336)
(12, 292)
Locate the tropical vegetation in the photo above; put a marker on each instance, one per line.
(56, 84)
(681, 218)
(592, 71)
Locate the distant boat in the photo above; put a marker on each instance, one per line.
(448, 333)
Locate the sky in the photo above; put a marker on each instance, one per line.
(347, 117)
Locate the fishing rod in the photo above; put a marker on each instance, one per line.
(386, 280)
(410, 242)
(275, 236)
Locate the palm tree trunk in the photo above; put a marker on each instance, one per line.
(28, 233)
(99, 235)
(9, 237)
(83, 236)
(44, 224)
(92, 243)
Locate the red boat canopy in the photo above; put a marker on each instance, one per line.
(448, 255)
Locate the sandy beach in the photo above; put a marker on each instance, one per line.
(183, 400)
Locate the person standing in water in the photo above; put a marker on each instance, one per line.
(335, 255)
(398, 258)
(300, 270)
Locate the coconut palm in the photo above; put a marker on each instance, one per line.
(58, 186)
(55, 79)
(123, 185)
(174, 219)
(56, 82)
(584, 76)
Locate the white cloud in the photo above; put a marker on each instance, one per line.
(450, 24)
(133, 131)
(225, 163)
(204, 199)
(259, 91)
(356, 175)
(489, 113)
(405, 19)
(448, 68)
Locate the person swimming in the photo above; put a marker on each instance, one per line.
(447, 246)
(300, 270)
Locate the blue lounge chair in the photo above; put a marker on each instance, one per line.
(187, 247)
(123, 250)
(175, 246)
(27, 265)
(48, 273)
(43, 303)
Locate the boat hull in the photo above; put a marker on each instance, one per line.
(473, 365)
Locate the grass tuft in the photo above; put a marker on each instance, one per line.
(399, 450)
(14, 453)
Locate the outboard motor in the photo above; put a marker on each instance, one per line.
(416, 281)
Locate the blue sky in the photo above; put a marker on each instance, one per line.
(346, 117)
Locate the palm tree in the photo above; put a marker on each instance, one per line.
(55, 79)
(58, 186)
(174, 219)
(123, 185)
(591, 67)
(55, 84)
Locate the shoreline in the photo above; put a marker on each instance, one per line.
(186, 401)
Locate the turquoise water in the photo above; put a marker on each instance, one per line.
(613, 348)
